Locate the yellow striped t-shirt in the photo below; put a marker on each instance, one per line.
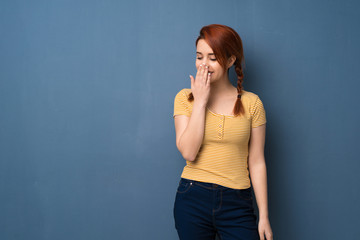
(223, 155)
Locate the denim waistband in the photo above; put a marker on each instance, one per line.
(211, 185)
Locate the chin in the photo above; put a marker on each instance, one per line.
(213, 79)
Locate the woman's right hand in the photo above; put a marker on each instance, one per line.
(200, 86)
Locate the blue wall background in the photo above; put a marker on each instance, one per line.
(87, 136)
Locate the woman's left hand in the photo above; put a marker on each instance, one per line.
(265, 229)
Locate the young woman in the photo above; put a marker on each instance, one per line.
(220, 132)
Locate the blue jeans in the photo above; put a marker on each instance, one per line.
(202, 210)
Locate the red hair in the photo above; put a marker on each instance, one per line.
(225, 42)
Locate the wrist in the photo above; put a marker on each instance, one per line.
(200, 104)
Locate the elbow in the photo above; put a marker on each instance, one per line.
(188, 157)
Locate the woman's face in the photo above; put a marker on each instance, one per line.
(204, 54)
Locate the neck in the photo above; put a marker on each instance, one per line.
(222, 88)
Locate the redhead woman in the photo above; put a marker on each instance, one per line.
(220, 132)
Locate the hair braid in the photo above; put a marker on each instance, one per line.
(239, 108)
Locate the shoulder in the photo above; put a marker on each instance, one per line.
(183, 93)
(182, 97)
(252, 102)
(250, 97)
(182, 106)
(186, 91)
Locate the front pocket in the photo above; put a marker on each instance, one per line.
(246, 195)
(184, 187)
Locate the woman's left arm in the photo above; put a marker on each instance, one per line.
(257, 169)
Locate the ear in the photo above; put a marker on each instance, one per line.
(231, 61)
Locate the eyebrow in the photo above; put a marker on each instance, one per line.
(208, 54)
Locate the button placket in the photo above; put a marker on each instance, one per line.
(220, 127)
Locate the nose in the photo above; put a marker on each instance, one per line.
(204, 63)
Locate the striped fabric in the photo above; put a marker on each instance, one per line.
(222, 158)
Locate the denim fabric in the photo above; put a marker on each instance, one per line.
(202, 210)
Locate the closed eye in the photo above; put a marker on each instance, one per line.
(210, 59)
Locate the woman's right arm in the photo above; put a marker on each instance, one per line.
(190, 130)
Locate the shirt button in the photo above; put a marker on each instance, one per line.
(219, 134)
(220, 125)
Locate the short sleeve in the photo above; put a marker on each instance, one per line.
(181, 104)
(258, 116)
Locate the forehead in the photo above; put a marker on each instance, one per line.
(203, 47)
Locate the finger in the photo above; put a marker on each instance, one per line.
(202, 74)
(198, 71)
(191, 80)
(261, 235)
(206, 69)
(269, 236)
(208, 79)
(201, 70)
